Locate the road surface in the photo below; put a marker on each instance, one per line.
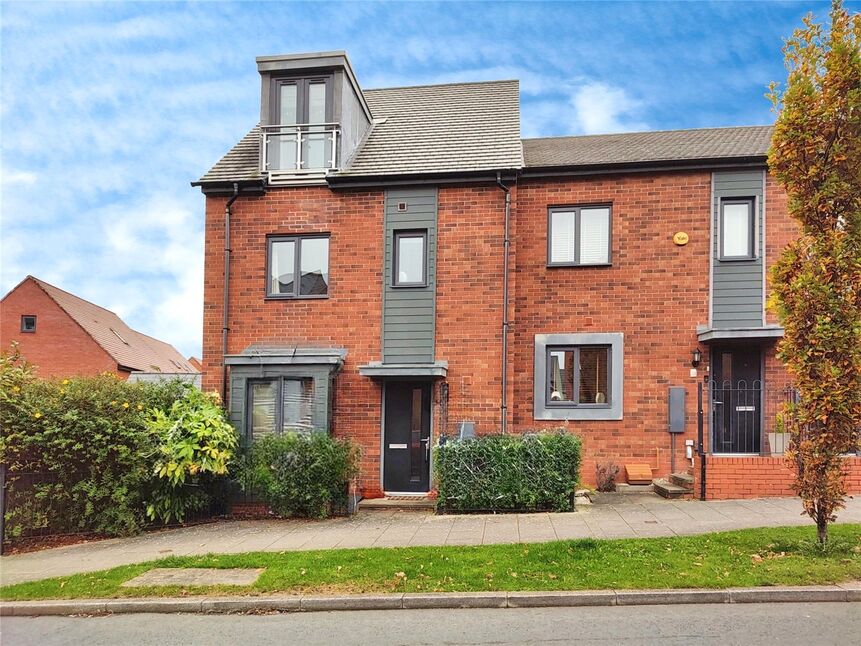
(780, 623)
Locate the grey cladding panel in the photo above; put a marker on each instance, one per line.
(409, 312)
(737, 286)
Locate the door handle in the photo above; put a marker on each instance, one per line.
(426, 441)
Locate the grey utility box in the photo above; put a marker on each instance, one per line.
(676, 407)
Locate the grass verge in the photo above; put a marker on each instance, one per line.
(754, 557)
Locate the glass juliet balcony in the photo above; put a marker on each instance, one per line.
(299, 149)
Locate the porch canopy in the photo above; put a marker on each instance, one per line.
(765, 333)
(379, 370)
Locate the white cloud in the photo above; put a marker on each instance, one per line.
(581, 108)
(601, 108)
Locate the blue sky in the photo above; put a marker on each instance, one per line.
(110, 110)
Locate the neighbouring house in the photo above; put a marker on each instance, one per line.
(397, 265)
(64, 335)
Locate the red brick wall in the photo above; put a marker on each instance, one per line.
(59, 347)
(469, 304)
(655, 293)
(469, 299)
(760, 477)
(349, 318)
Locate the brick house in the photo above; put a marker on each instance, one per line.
(397, 265)
(64, 335)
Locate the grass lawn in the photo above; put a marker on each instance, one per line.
(755, 557)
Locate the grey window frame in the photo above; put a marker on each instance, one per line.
(297, 260)
(398, 234)
(582, 412)
(577, 208)
(23, 328)
(279, 403)
(301, 83)
(575, 376)
(752, 246)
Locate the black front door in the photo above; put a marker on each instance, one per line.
(406, 438)
(736, 400)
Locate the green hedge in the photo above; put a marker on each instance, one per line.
(537, 471)
(84, 454)
(300, 474)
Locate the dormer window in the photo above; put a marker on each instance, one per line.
(301, 136)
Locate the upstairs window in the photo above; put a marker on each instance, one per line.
(300, 135)
(28, 323)
(298, 267)
(737, 229)
(410, 266)
(579, 236)
(280, 405)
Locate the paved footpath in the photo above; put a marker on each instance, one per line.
(622, 516)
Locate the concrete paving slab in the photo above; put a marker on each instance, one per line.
(162, 576)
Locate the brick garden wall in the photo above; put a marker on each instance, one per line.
(761, 477)
(59, 347)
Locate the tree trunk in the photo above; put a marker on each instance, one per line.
(822, 530)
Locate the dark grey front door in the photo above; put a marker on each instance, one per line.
(736, 399)
(406, 440)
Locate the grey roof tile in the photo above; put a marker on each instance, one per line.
(459, 127)
(645, 147)
(241, 163)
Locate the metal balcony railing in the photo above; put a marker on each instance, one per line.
(299, 149)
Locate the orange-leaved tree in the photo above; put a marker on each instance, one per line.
(816, 284)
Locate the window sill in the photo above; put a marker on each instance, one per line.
(573, 407)
(273, 297)
(739, 259)
(554, 265)
(410, 286)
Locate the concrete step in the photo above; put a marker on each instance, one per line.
(401, 503)
(667, 489)
(682, 479)
(624, 487)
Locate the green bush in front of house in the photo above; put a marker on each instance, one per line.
(84, 454)
(536, 471)
(305, 474)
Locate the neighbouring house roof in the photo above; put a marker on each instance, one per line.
(633, 148)
(453, 128)
(131, 349)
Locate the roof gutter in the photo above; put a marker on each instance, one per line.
(225, 328)
(503, 405)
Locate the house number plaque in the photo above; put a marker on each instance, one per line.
(681, 238)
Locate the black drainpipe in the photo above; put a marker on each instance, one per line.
(226, 300)
(503, 407)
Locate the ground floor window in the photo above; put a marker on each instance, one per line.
(578, 376)
(280, 404)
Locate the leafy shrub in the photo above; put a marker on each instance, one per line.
(605, 476)
(508, 472)
(195, 443)
(87, 438)
(301, 474)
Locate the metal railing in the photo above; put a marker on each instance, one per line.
(736, 416)
(299, 149)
